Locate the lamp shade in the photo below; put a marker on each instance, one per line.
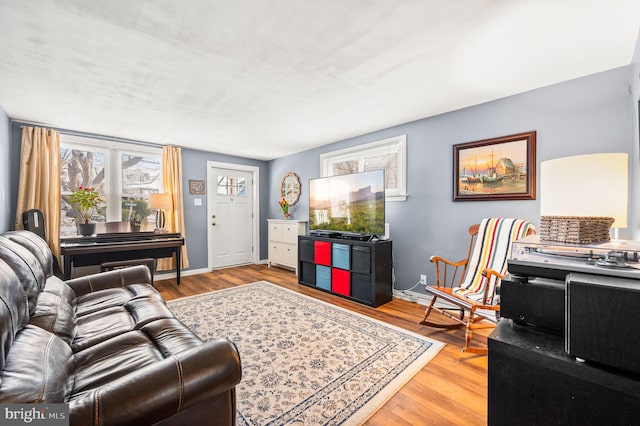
(586, 185)
(160, 201)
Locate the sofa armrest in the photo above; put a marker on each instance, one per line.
(161, 390)
(111, 279)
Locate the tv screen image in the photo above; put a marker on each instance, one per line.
(348, 203)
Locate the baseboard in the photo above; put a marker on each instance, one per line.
(183, 273)
(424, 299)
(412, 296)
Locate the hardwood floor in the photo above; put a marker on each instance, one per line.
(449, 390)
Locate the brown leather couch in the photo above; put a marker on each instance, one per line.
(106, 344)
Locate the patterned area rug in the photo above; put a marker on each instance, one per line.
(305, 361)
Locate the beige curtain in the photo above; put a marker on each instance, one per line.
(172, 183)
(39, 184)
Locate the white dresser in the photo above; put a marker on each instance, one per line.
(283, 241)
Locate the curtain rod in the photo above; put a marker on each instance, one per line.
(86, 134)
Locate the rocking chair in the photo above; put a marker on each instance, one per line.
(485, 265)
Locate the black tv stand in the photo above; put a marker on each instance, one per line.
(357, 270)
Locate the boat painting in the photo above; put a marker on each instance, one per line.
(487, 170)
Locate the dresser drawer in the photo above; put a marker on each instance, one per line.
(290, 233)
(275, 231)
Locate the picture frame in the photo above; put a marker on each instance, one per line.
(196, 186)
(502, 168)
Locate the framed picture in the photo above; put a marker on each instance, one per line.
(501, 168)
(196, 187)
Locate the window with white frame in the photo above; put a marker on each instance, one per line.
(388, 154)
(124, 175)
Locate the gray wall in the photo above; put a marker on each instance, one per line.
(582, 116)
(5, 172)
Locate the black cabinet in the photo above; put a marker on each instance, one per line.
(358, 270)
(532, 381)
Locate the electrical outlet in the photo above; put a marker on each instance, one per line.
(423, 279)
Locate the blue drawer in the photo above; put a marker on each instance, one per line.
(323, 277)
(340, 256)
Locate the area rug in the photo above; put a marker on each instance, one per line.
(305, 361)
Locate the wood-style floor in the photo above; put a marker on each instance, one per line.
(450, 390)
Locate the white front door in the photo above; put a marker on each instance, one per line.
(230, 215)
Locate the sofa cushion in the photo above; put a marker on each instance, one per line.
(14, 312)
(114, 358)
(96, 301)
(35, 245)
(104, 324)
(26, 266)
(38, 368)
(54, 314)
(171, 336)
(100, 326)
(56, 286)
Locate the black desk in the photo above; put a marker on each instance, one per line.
(86, 251)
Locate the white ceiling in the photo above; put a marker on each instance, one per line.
(267, 78)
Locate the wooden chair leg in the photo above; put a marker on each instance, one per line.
(468, 335)
(427, 312)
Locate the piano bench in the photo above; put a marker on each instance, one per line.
(109, 266)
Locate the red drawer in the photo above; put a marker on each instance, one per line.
(322, 253)
(340, 281)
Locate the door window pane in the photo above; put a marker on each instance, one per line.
(232, 185)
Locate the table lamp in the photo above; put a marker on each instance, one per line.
(585, 187)
(160, 202)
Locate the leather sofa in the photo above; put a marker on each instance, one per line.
(105, 344)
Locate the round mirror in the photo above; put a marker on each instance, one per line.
(290, 188)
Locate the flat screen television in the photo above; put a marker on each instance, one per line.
(352, 203)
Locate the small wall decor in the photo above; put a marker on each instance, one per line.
(290, 188)
(502, 168)
(196, 186)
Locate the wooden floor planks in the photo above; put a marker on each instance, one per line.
(449, 390)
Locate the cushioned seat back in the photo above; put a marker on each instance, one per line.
(491, 250)
(14, 313)
(35, 245)
(26, 266)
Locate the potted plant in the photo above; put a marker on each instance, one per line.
(135, 222)
(87, 202)
(284, 206)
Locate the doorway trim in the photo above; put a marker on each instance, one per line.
(255, 173)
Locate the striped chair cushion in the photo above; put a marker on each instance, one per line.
(491, 250)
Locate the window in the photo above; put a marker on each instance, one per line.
(388, 154)
(124, 174)
(231, 185)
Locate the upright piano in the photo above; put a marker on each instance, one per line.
(119, 246)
